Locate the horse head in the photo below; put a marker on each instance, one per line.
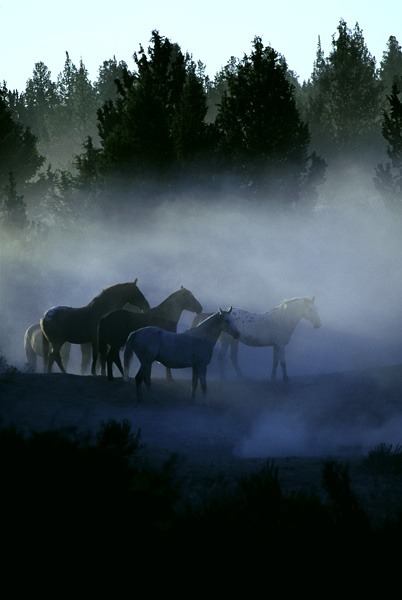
(189, 302)
(310, 312)
(228, 324)
(137, 298)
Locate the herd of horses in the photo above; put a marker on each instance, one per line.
(120, 318)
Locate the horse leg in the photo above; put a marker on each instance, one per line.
(94, 356)
(138, 380)
(194, 383)
(46, 354)
(30, 355)
(144, 375)
(203, 381)
(282, 360)
(54, 356)
(147, 377)
(221, 357)
(103, 363)
(169, 375)
(275, 361)
(111, 357)
(85, 358)
(119, 365)
(234, 350)
(65, 354)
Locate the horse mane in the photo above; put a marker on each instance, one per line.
(172, 295)
(106, 291)
(284, 303)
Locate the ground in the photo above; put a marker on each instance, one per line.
(297, 426)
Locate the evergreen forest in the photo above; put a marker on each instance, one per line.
(74, 151)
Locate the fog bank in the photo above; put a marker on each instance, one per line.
(229, 254)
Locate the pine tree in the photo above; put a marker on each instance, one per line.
(388, 176)
(41, 101)
(261, 136)
(106, 86)
(345, 100)
(88, 165)
(18, 148)
(13, 209)
(391, 67)
(75, 117)
(190, 133)
(157, 120)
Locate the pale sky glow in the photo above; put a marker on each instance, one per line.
(212, 31)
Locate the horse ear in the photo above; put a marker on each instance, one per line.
(220, 311)
(229, 310)
(182, 287)
(135, 281)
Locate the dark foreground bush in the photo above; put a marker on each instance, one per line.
(77, 502)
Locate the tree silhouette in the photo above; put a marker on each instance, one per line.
(388, 176)
(13, 208)
(261, 136)
(390, 71)
(18, 148)
(345, 99)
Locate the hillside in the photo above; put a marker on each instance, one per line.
(299, 425)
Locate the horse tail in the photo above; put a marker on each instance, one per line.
(128, 355)
(46, 351)
(102, 340)
(30, 353)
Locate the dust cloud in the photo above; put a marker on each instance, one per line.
(227, 253)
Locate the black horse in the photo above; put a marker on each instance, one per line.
(62, 324)
(115, 327)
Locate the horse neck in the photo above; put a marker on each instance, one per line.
(209, 329)
(291, 317)
(170, 309)
(104, 304)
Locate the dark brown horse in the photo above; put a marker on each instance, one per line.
(62, 324)
(115, 327)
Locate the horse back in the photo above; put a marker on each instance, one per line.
(67, 324)
(173, 350)
(116, 326)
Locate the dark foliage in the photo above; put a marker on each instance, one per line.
(79, 502)
(18, 147)
(388, 176)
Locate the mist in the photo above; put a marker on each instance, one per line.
(229, 254)
(347, 254)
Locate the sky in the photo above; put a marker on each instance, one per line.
(212, 32)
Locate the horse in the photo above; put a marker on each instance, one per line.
(272, 328)
(191, 348)
(34, 343)
(62, 324)
(115, 327)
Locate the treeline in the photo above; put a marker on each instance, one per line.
(253, 130)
